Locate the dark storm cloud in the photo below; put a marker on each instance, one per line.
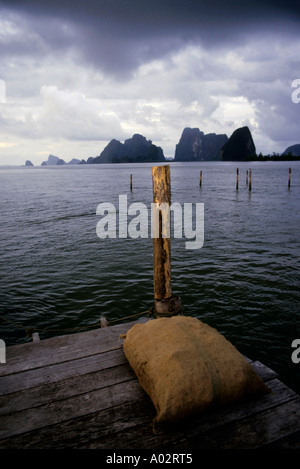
(161, 11)
(86, 71)
(120, 35)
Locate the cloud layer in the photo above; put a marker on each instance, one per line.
(79, 74)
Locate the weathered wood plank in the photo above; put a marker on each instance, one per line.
(291, 441)
(13, 383)
(268, 425)
(45, 394)
(78, 432)
(263, 371)
(131, 421)
(79, 391)
(142, 436)
(69, 408)
(211, 427)
(60, 371)
(64, 348)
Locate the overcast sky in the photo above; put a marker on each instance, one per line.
(76, 74)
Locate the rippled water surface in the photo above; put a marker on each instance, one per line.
(57, 275)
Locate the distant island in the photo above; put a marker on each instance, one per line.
(193, 145)
(239, 147)
(134, 150)
(275, 157)
(55, 160)
(294, 150)
(291, 153)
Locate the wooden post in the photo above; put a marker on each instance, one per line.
(247, 177)
(201, 178)
(161, 246)
(103, 322)
(35, 337)
(237, 178)
(131, 182)
(165, 303)
(250, 180)
(290, 170)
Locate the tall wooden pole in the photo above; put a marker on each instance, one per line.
(131, 182)
(161, 246)
(237, 178)
(250, 180)
(165, 303)
(290, 170)
(201, 178)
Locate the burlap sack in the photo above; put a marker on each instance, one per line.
(185, 366)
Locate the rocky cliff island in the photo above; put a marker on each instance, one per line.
(134, 150)
(239, 147)
(194, 145)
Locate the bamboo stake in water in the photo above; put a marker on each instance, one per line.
(250, 180)
(237, 178)
(290, 170)
(131, 182)
(161, 245)
(201, 178)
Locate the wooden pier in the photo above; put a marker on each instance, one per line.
(78, 391)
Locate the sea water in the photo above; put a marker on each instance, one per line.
(58, 276)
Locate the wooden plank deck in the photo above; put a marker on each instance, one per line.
(78, 391)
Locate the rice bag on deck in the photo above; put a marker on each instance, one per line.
(185, 366)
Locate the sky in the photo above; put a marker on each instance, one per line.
(76, 74)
